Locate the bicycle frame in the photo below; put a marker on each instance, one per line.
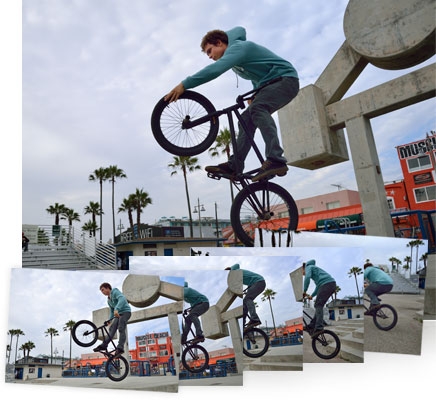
(187, 124)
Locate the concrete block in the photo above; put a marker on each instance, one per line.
(212, 326)
(297, 283)
(308, 141)
(141, 290)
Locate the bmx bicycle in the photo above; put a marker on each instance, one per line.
(255, 341)
(385, 316)
(195, 358)
(85, 334)
(326, 344)
(190, 126)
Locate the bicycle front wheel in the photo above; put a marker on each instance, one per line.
(385, 318)
(326, 345)
(84, 333)
(117, 368)
(255, 342)
(263, 205)
(168, 130)
(195, 358)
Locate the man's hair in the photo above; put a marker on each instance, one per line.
(212, 37)
(106, 285)
(368, 265)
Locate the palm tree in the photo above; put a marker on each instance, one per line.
(70, 215)
(18, 333)
(100, 175)
(223, 144)
(26, 347)
(94, 209)
(128, 205)
(418, 242)
(56, 209)
(424, 259)
(113, 173)
(354, 271)
(408, 260)
(269, 294)
(185, 164)
(335, 293)
(394, 263)
(68, 327)
(12, 333)
(51, 332)
(140, 200)
(90, 227)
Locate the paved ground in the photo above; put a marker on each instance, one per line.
(406, 336)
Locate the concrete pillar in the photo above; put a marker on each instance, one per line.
(430, 288)
(369, 178)
(175, 336)
(235, 332)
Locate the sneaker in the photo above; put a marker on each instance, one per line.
(198, 338)
(253, 323)
(372, 309)
(101, 347)
(270, 168)
(223, 168)
(118, 351)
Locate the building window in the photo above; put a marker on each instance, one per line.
(425, 194)
(333, 204)
(307, 210)
(391, 203)
(418, 163)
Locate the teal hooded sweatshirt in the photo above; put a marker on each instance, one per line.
(318, 275)
(117, 301)
(248, 277)
(247, 59)
(193, 297)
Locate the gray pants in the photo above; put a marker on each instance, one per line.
(324, 293)
(120, 324)
(248, 302)
(193, 318)
(258, 115)
(376, 289)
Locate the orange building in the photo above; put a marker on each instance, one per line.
(156, 348)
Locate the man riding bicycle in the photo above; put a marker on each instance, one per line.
(231, 50)
(377, 283)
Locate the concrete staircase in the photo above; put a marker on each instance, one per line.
(351, 333)
(283, 358)
(403, 285)
(61, 257)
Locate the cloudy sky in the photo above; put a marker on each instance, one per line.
(93, 71)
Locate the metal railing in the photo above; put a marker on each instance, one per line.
(58, 237)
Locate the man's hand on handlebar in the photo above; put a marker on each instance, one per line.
(307, 296)
(174, 94)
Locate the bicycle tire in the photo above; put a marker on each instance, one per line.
(385, 318)
(195, 358)
(84, 333)
(272, 199)
(117, 368)
(167, 119)
(326, 345)
(255, 342)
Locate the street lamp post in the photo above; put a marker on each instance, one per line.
(197, 209)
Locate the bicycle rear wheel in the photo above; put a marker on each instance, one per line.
(385, 318)
(195, 358)
(255, 342)
(84, 333)
(167, 119)
(117, 368)
(264, 205)
(326, 345)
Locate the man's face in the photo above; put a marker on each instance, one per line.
(105, 291)
(215, 51)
